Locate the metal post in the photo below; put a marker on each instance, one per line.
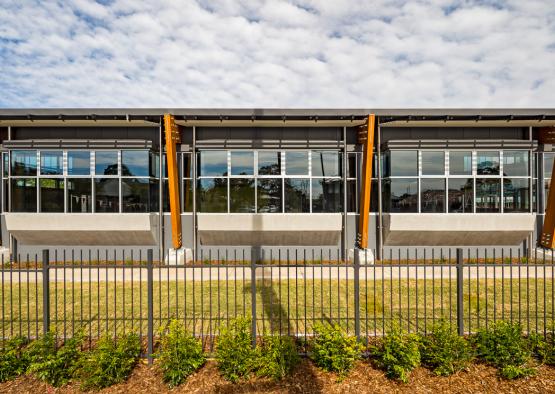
(356, 268)
(460, 307)
(194, 179)
(380, 202)
(15, 252)
(150, 328)
(344, 249)
(160, 194)
(45, 291)
(254, 255)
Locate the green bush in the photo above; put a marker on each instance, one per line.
(110, 362)
(234, 353)
(543, 348)
(13, 360)
(503, 346)
(277, 357)
(333, 350)
(444, 351)
(55, 367)
(180, 354)
(398, 353)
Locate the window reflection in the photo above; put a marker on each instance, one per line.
(401, 195)
(212, 163)
(24, 162)
(488, 163)
(326, 164)
(106, 163)
(51, 163)
(297, 195)
(106, 194)
(79, 195)
(242, 163)
(24, 195)
(135, 194)
(296, 163)
(269, 163)
(433, 163)
(488, 195)
(461, 195)
(516, 195)
(268, 193)
(432, 196)
(241, 195)
(402, 163)
(515, 163)
(327, 195)
(137, 163)
(460, 163)
(51, 195)
(78, 163)
(212, 195)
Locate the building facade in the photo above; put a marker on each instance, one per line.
(275, 177)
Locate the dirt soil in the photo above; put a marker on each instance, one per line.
(309, 379)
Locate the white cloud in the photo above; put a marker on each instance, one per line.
(301, 53)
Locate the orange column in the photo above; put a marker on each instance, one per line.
(548, 231)
(366, 137)
(172, 137)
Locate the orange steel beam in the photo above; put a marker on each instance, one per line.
(172, 137)
(548, 231)
(366, 137)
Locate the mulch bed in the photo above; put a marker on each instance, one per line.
(309, 379)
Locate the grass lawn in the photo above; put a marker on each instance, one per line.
(287, 306)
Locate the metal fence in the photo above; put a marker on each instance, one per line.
(283, 291)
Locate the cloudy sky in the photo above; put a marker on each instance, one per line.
(301, 53)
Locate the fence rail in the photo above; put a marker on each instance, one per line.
(283, 291)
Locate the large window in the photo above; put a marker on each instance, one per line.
(457, 181)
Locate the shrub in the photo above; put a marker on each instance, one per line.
(277, 357)
(444, 351)
(180, 354)
(543, 348)
(234, 352)
(503, 346)
(13, 360)
(55, 367)
(110, 362)
(333, 350)
(398, 354)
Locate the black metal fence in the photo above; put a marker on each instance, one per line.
(284, 291)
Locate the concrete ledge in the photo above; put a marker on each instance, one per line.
(457, 229)
(83, 229)
(269, 229)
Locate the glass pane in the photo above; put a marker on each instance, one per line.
(433, 163)
(352, 195)
(135, 194)
(327, 195)
(187, 166)
(297, 195)
(269, 163)
(546, 185)
(24, 195)
(24, 162)
(79, 195)
(268, 193)
(241, 195)
(401, 195)
(106, 163)
(51, 195)
(515, 163)
(212, 195)
(461, 195)
(296, 163)
(135, 163)
(516, 195)
(488, 164)
(242, 163)
(106, 194)
(432, 195)
(460, 163)
(212, 163)
(548, 164)
(488, 195)
(78, 163)
(51, 163)
(6, 162)
(326, 164)
(188, 197)
(352, 165)
(402, 163)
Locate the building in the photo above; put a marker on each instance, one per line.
(275, 177)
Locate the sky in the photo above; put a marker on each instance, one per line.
(297, 54)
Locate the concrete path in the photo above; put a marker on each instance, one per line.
(166, 274)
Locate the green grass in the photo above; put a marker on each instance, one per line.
(286, 306)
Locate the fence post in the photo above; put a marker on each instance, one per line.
(150, 303)
(356, 268)
(254, 256)
(460, 306)
(45, 291)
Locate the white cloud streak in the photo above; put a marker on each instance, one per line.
(301, 53)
